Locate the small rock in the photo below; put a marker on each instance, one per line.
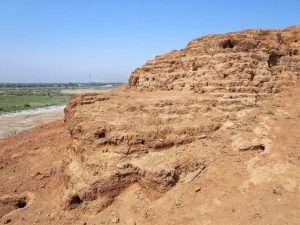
(179, 203)
(193, 175)
(115, 219)
(252, 147)
(198, 189)
(277, 191)
(36, 174)
(202, 136)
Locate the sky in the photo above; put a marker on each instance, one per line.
(104, 41)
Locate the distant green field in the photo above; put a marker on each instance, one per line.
(16, 97)
(11, 103)
(19, 98)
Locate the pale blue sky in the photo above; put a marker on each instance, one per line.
(65, 41)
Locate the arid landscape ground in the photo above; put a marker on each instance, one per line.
(204, 135)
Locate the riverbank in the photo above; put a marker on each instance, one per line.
(17, 97)
(13, 123)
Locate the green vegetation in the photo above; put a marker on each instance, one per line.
(270, 113)
(11, 103)
(16, 97)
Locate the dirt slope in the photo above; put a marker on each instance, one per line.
(31, 173)
(204, 135)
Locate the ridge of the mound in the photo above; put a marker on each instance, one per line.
(248, 62)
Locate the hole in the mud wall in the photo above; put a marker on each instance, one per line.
(100, 133)
(7, 221)
(274, 59)
(75, 200)
(194, 66)
(228, 44)
(134, 81)
(21, 203)
(293, 52)
(252, 75)
(260, 147)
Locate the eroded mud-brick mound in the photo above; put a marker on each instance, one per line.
(250, 62)
(182, 114)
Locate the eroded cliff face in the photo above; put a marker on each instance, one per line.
(251, 61)
(187, 122)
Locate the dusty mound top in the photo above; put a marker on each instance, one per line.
(251, 61)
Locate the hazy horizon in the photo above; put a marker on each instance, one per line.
(77, 82)
(79, 41)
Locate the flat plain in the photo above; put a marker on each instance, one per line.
(17, 97)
